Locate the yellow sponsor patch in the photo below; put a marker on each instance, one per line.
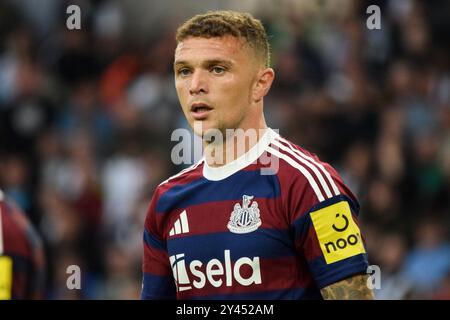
(337, 232)
(6, 268)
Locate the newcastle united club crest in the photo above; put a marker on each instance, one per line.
(245, 219)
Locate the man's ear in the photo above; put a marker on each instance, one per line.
(263, 83)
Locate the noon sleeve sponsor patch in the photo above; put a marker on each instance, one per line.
(5, 277)
(338, 234)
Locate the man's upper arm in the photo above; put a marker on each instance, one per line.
(157, 281)
(331, 241)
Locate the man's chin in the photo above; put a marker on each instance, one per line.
(201, 128)
(207, 131)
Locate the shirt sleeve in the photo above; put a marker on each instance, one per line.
(328, 236)
(157, 282)
(24, 245)
(333, 246)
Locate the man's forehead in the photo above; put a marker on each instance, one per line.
(225, 45)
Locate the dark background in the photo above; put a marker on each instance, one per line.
(86, 118)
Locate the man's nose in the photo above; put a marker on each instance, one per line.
(198, 83)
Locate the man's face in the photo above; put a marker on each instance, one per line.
(214, 79)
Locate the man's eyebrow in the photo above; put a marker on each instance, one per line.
(180, 62)
(217, 61)
(210, 62)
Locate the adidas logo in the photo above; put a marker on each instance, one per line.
(180, 226)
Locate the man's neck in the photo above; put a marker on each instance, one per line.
(234, 144)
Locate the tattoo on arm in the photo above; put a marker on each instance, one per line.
(354, 288)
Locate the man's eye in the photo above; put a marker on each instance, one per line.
(184, 72)
(218, 70)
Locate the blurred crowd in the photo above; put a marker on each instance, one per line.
(86, 118)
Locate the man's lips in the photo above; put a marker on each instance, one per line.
(200, 111)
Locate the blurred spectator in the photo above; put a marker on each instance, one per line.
(123, 180)
(123, 282)
(14, 177)
(428, 263)
(443, 292)
(394, 286)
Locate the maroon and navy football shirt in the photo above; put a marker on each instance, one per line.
(276, 223)
(22, 260)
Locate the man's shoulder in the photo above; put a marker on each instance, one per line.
(303, 171)
(182, 177)
(306, 181)
(296, 158)
(172, 189)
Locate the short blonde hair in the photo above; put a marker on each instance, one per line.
(222, 23)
